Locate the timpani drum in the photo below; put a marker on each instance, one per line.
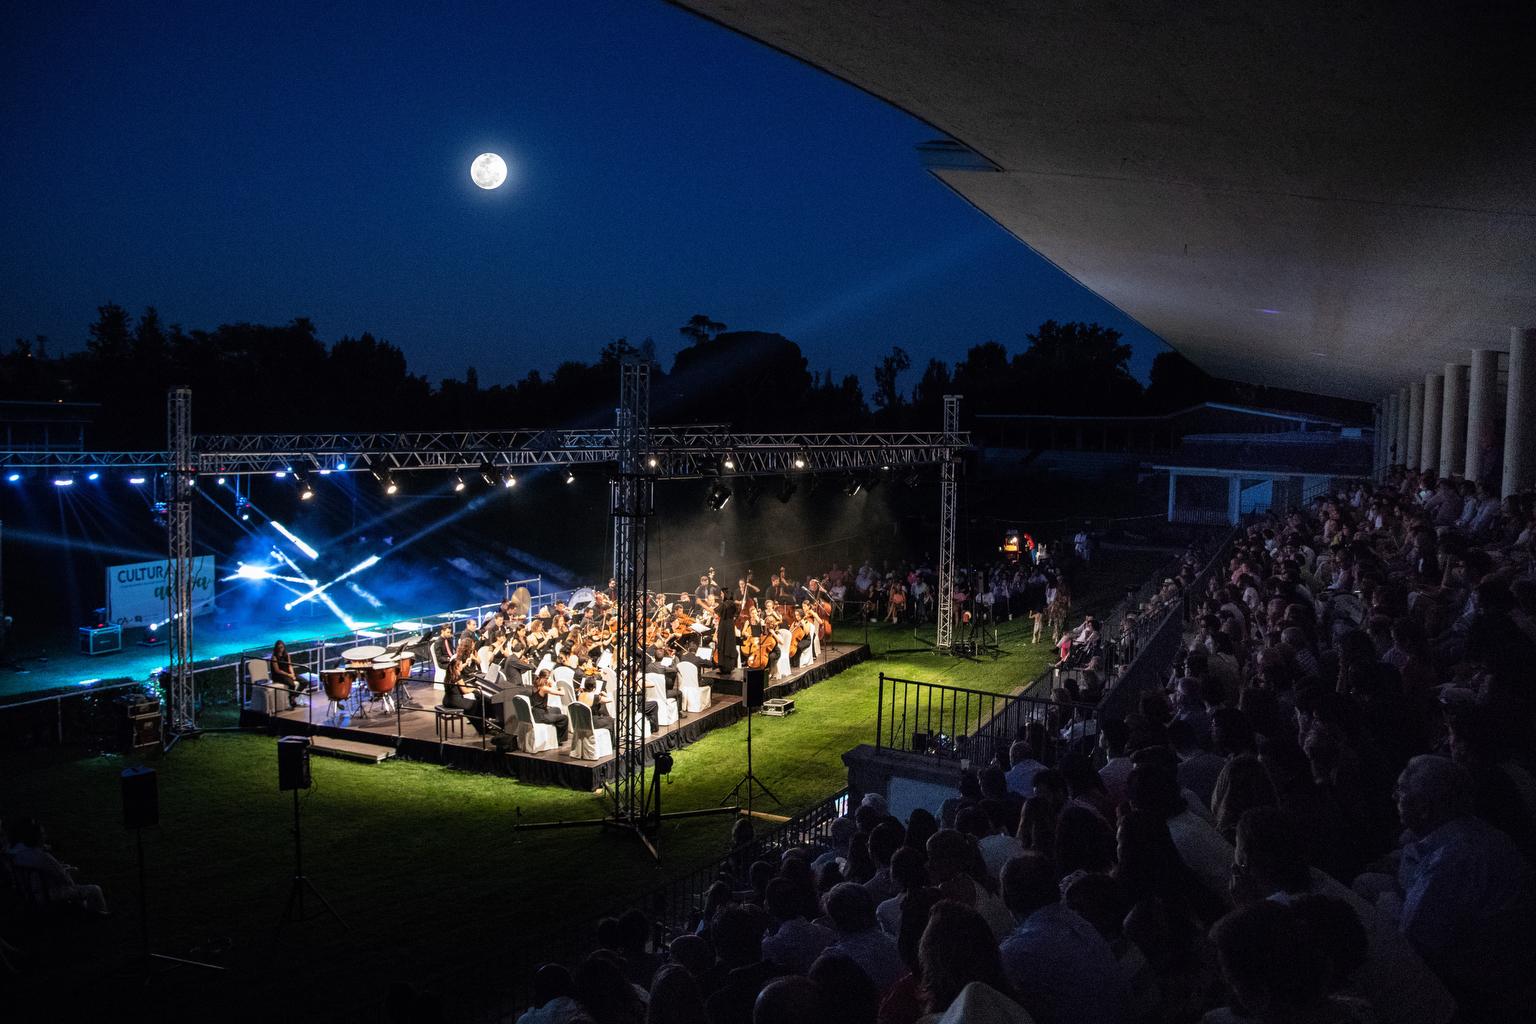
(360, 658)
(380, 675)
(338, 683)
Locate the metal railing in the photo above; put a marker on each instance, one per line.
(973, 726)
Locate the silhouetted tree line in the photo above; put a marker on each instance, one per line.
(251, 378)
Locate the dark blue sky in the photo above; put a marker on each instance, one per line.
(260, 162)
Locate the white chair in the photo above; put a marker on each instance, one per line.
(695, 697)
(483, 656)
(567, 688)
(546, 662)
(782, 667)
(588, 743)
(439, 673)
(532, 737)
(808, 652)
(656, 690)
(564, 674)
(263, 695)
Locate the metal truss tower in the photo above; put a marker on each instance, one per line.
(948, 501)
(630, 494)
(181, 702)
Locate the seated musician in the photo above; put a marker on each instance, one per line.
(459, 691)
(604, 712)
(283, 674)
(543, 688)
(779, 590)
(653, 663)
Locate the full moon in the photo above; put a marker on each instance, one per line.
(488, 171)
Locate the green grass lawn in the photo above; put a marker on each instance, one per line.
(422, 861)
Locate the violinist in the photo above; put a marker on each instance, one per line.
(653, 663)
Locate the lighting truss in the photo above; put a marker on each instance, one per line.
(637, 455)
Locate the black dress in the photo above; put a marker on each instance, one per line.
(725, 643)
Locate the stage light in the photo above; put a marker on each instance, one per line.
(221, 481)
(390, 487)
(245, 517)
(280, 474)
(63, 481)
(719, 496)
(306, 492)
(325, 472)
(16, 477)
(787, 490)
(458, 483)
(137, 481)
(570, 475)
(729, 463)
(651, 462)
(799, 461)
(93, 475)
(508, 480)
(341, 466)
(488, 474)
(853, 485)
(295, 540)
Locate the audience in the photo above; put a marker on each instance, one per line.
(1324, 816)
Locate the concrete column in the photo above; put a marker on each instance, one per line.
(1402, 425)
(1392, 417)
(1380, 441)
(1429, 445)
(1520, 413)
(1482, 409)
(1453, 420)
(1415, 439)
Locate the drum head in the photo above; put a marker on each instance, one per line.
(388, 661)
(364, 653)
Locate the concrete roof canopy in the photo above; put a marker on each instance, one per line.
(1332, 197)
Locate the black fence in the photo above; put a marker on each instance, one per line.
(973, 726)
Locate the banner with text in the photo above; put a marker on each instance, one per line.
(136, 594)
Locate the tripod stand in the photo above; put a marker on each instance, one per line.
(750, 779)
(149, 960)
(301, 884)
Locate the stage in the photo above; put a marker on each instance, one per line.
(414, 733)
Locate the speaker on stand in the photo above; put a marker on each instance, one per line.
(752, 696)
(139, 789)
(293, 776)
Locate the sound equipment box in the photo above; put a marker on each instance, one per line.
(138, 719)
(292, 763)
(141, 798)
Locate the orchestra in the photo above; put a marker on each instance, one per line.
(563, 652)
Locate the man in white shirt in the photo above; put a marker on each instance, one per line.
(796, 941)
(859, 937)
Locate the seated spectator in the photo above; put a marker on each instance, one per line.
(792, 1001)
(1275, 970)
(1113, 737)
(634, 943)
(553, 1000)
(796, 940)
(909, 869)
(1024, 757)
(1269, 862)
(675, 998)
(852, 996)
(904, 1002)
(956, 869)
(604, 992)
(1247, 786)
(884, 841)
(1154, 788)
(957, 948)
(1198, 768)
(1059, 966)
(741, 971)
(859, 937)
(49, 878)
(1464, 895)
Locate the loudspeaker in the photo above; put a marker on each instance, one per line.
(292, 763)
(141, 798)
(757, 679)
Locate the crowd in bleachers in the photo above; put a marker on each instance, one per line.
(1325, 816)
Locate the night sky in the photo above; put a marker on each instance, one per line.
(251, 162)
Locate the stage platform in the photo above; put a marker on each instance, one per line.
(414, 733)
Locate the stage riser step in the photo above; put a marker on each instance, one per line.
(366, 753)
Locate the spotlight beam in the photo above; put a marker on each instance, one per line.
(294, 539)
